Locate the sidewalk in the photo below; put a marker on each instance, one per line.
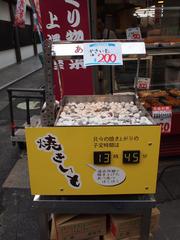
(16, 72)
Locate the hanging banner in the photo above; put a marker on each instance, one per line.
(68, 20)
(37, 15)
(163, 116)
(20, 14)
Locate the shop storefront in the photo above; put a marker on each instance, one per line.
(158, 23)
(17, 43)
(100, 141)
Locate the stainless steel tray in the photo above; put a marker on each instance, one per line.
(123, 97)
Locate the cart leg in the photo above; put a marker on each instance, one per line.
(145, 224)
(43, 226)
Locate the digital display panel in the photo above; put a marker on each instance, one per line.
(102, 157)
(131, 156)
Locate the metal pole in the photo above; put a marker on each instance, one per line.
(145, 224)
(27, 111)
(137, 75)
(11, 112)
(92, 24)
(36, 21)
(34, 34)
(49, 83)
(43, 225)
(111, 80)
(15, 35)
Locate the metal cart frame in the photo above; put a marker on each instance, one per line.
(131, 204)
(17, 132)
(141, 204)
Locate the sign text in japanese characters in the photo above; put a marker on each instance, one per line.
(68, 20)
(163, 116)
(102, 53)
(49, 143)
(108, 176)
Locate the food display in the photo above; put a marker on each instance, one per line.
(144, 94)
(157, 98)
(153, 93)
(145, 103)
(171, 101)
(102, 113)
(175, 92)
(151, 102)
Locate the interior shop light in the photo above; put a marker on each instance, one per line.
(145, 12)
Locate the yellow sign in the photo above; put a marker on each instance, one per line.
(93, 160)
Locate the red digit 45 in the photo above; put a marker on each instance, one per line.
(106, 57)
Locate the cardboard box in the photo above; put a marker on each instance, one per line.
(109, 236)
(53, 233)
(124, 227)
(94, 238)
(78, 227)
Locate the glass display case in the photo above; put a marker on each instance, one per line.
(158, 22)
(162, 69)
(165, 92)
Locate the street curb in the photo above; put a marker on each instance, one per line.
(20, 78)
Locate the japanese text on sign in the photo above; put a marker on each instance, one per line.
(49, 143)
(163, 116)
(102, 53)
(112, 141)
(108, 176)
(73, 19)
(68, 20)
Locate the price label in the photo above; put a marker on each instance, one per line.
(102, 53)
(143, 83)
(163, 116)
(133, 33)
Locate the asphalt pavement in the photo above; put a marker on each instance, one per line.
(19, 221)
(17, 218)
(16, 72)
